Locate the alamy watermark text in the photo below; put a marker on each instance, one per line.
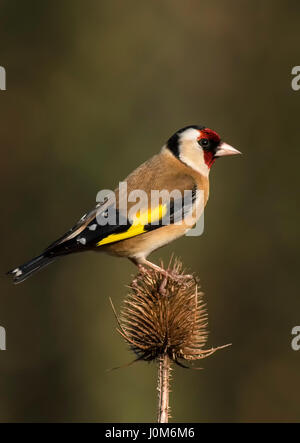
(296, 80)
(295, 343)
(2, 339)
(2, 79)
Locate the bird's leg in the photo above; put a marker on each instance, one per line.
(142, 264)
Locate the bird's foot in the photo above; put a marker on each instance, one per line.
(165, 272)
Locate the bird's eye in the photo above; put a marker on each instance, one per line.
(204, 142)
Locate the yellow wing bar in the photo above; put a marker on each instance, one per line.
(138, 225)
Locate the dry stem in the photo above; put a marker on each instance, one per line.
(164, 372)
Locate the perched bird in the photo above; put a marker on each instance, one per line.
(183, 164)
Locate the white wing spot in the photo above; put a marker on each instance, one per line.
(92, 227)
(82, 240)
(17, 272)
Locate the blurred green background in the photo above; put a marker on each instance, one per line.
(93, 89)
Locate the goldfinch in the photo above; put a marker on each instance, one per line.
(183, 164)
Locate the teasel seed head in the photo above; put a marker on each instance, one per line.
(165, 316)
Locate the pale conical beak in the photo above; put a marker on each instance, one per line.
(225, 149)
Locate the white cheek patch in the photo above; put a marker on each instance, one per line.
(192, 155)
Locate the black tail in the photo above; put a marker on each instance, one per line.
(24, 271)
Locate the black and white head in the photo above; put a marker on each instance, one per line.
(198, 147)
